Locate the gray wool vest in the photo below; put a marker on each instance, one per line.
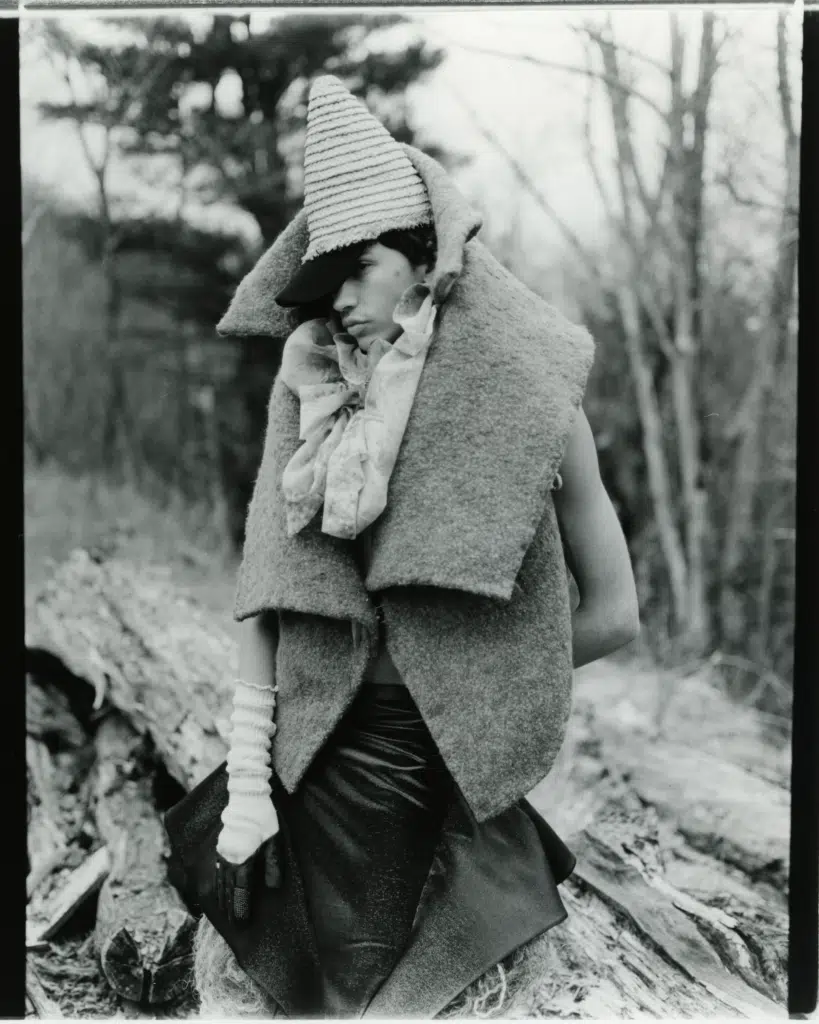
(466, 558)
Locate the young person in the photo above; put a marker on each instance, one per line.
(406, 664)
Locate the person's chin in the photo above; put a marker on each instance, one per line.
(363, 334)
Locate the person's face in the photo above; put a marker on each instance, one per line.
(366, 300)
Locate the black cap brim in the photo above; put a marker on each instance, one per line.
(322, 276)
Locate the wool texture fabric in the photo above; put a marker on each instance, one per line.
(467, 558)
(358, 182)
(249, 817)
(354, 411)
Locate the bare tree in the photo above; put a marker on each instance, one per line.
(658, 287)
(116, 93)
(715, 530)
(770, 356)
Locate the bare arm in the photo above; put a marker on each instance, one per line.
(607, 616)
(258, 639)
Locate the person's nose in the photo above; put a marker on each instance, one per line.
(345, 298)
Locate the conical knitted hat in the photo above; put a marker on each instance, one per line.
(358, 182)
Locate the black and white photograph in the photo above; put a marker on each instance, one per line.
(409, 422)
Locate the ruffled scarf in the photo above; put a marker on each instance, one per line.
(354, 407)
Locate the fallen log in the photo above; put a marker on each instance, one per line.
(45, 817)
(710, 773)
(34, 944)
(49, 717)
(40, 1001)
(157, 656)
(620, 879)
(644, 938)
(721, 808)
(82, 883)
(42, 865)
(143, 933)
(663, 919)
(59, 753)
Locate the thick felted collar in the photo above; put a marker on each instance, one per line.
(494, 407)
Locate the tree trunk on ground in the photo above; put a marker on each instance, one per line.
(144, 933)
(42, 1005)
(79, 886)
(156, 656)
(676, 906)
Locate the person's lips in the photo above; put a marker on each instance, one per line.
(351, 325)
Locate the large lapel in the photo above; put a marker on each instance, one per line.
(489, 890)
(310, 572)
(503, 380)
(502, 383)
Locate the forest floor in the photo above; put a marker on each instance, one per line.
(63, 513)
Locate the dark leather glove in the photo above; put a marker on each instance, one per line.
(234, 883)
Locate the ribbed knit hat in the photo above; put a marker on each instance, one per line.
(358, 182)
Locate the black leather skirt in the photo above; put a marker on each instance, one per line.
(394, 898)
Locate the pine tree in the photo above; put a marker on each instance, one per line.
(248, 157)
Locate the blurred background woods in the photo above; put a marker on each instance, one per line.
(638, 169)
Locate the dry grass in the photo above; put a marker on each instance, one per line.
(63, 512)
(521, 985)
(225, 991)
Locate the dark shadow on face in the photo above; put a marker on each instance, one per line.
(321, 309)
(418, 246)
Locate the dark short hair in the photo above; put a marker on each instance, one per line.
(419, 245)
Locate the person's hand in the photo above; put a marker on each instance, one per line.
(237, 872)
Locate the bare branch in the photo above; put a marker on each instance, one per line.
(525, 178)
(624, 226)
(591, 158)
(785, 100)
(639, 251)
(761, 671)
(597, 37)
(727, 182)
(656, 318)
(675, 78)
(705, 78)
(659, 472)
(619, 98)
(62, 45)
(571, 69)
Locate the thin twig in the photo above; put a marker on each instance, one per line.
(525, 178)
(597, 37)
(777, 683)
(727, 183)
(571, 69)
